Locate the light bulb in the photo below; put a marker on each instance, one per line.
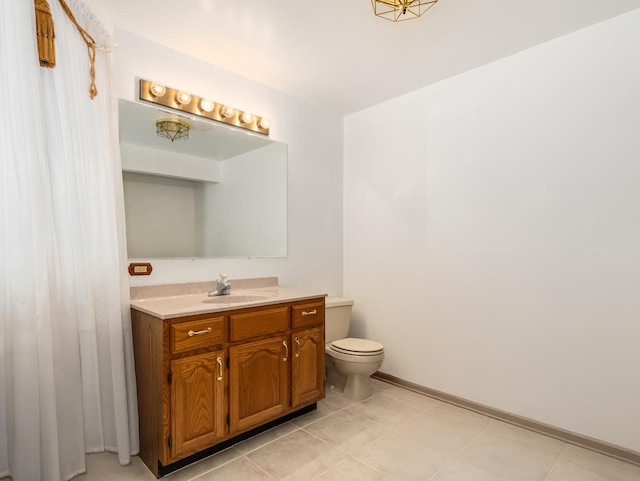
(227, 112)
(157, 90)
(247, 117)
(206, 105)
(183, 98)
(264, 124)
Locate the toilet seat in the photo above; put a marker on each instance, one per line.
(357, 347)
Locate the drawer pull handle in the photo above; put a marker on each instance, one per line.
(310, 313)
(220, 364)
(298, 347)
(197, 333)
(286, 351)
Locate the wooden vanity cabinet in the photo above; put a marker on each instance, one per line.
(197, 404)
(258, 365)
(181, 383)
(307, 343)
(307, 366)
(205, 379)
(258, 383)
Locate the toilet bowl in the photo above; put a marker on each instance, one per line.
(350, 361)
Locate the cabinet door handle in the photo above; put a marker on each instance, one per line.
(310, 313)
(286, 351)
(221, 368)
(197, 333)
(298, 347)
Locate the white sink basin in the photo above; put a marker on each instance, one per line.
(237, 298)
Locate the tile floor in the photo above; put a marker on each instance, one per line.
(397, 435)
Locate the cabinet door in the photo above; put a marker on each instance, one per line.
(307, 371)
(197, 402)
(258, 381)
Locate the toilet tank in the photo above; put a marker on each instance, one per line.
(337, 318)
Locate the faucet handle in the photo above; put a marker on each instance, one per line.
(222, 281)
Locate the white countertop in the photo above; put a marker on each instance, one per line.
(170, 307)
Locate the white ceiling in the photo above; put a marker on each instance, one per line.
(337, 54)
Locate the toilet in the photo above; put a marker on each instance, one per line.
(350, 361)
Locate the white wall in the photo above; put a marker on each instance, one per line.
(161, 215)
(314, 138)
(492, 232)
(246, 212)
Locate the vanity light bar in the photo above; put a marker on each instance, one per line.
(202, 107)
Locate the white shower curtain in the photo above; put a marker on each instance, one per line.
(67, 382)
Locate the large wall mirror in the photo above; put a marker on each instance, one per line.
(220, 193)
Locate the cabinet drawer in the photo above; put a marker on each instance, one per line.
(196, 334)
(310, 314)
(259, 323)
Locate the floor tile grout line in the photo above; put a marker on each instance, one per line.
(325, 471)
(422, 396)
(245, 454)
(297, 428)
(344, 452)
(261, 468)
(377, 470)
(564, 448)
(320, 439)
(400, 400)
(212, 469)
(323, 417)
(379, 424)
(353, 458)
(456, 456)
(241, 454)
(433, 476)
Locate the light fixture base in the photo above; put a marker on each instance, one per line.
(172, 129)
(401, 10)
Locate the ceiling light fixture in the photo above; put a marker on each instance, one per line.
(401, 10)
(184, 102)
(172, 129)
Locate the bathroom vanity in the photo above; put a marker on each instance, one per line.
(210, 369)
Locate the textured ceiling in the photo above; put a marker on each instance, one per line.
(337, 54)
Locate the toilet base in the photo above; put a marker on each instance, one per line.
(357, 387)
(353, 380)
(334, 381)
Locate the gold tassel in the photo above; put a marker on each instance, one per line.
(45, 34)
(91, 49)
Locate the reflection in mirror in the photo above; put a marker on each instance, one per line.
(221, 193)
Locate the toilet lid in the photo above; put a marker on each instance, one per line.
(352, 345)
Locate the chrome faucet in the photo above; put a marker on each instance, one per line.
(223, 287)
